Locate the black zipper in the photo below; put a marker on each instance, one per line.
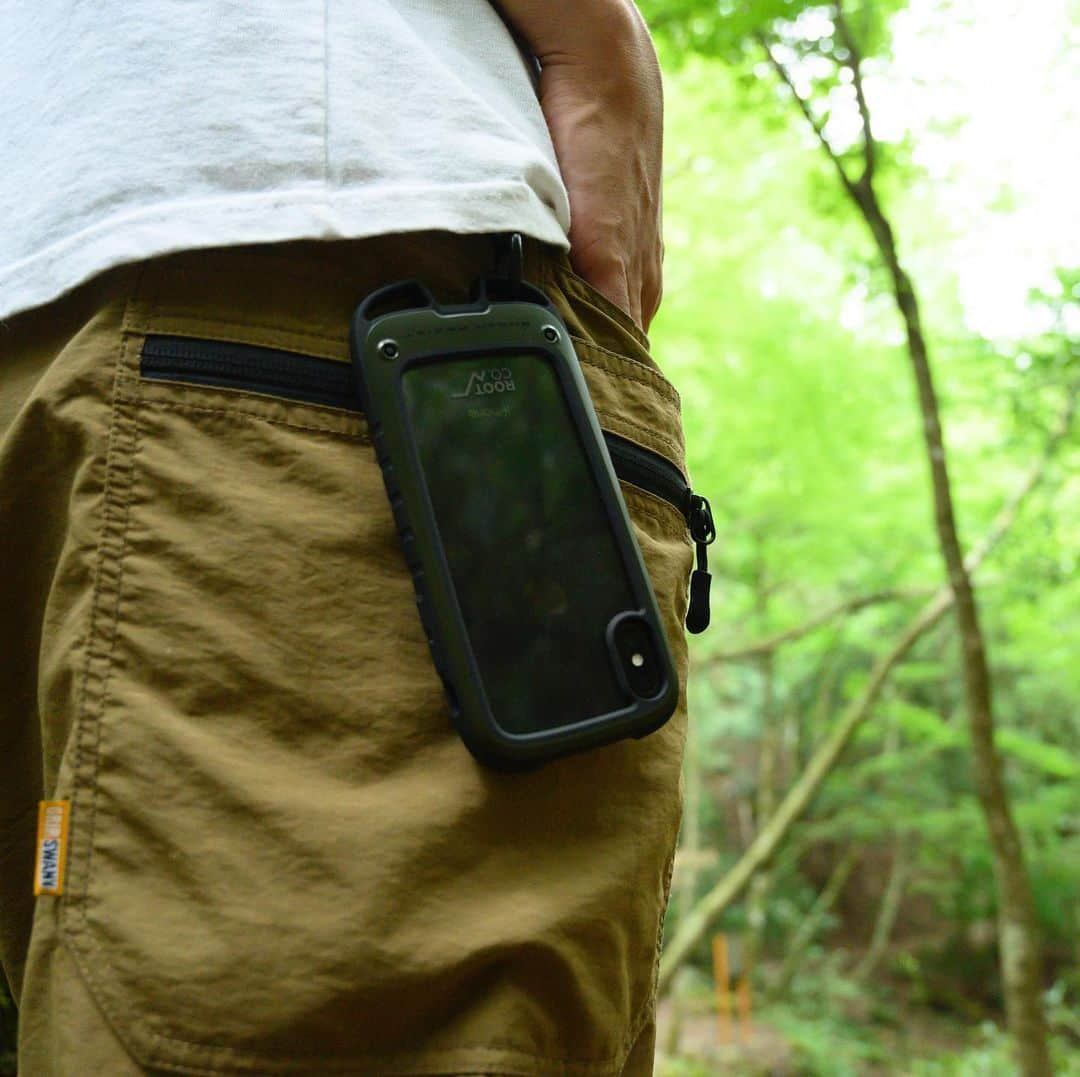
(326, 381)
(248, 366)
(660, 476)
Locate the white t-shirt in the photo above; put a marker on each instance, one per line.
(134, 129)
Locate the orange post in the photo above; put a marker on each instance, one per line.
(723, 989)
(742, 998)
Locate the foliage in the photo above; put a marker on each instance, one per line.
(801, 428)
(728, 29)
(833, 1026)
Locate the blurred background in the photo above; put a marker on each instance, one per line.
(837, 901)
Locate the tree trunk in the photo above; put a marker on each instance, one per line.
(765, 799)
(1021, 961)
(1018, 934)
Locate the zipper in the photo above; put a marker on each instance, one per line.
(659, 476)
(325, 381)
(248, 366)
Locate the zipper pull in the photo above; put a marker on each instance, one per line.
(703, 532)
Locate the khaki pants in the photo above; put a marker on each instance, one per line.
(281, 858)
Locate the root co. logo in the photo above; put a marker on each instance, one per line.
(497, 379)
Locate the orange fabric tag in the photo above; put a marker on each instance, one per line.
(52, 836)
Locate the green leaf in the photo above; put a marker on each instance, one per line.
(1048, 758)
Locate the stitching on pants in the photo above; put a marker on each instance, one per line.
(651, 431)
(346, 1066)
(157, 314)
(86, 787)
(648, 377)
(108, 656)
(621, 420)
(569, 280)
(110, 464)
(549, 274)
(101, 996)
(281, 262)
(656, 514)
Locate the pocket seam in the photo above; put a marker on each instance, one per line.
(101, 641)
(182, 323)
(155, 316)
(611, 361)
(100, 632)
(613, 420)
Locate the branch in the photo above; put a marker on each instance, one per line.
(804, 106)
(854, 65)
(848, 606)
(888, 909)
(1008, 512)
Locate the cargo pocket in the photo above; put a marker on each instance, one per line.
(283, 859)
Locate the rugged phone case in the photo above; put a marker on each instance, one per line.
(401, 326)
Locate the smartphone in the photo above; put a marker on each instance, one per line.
(530, 585)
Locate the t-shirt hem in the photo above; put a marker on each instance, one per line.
(273, 216)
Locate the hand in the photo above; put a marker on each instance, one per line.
(602, 96)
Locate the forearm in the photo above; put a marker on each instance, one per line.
(580, 31)
(602, 96)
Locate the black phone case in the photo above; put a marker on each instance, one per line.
(401, 325)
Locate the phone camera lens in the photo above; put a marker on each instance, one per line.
(388, 349)
(550, 333)
(637, 655)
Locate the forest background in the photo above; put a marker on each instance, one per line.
(872, 233)
(825, 294)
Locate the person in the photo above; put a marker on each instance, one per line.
(226, 762)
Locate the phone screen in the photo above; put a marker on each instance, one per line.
(536, 569)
